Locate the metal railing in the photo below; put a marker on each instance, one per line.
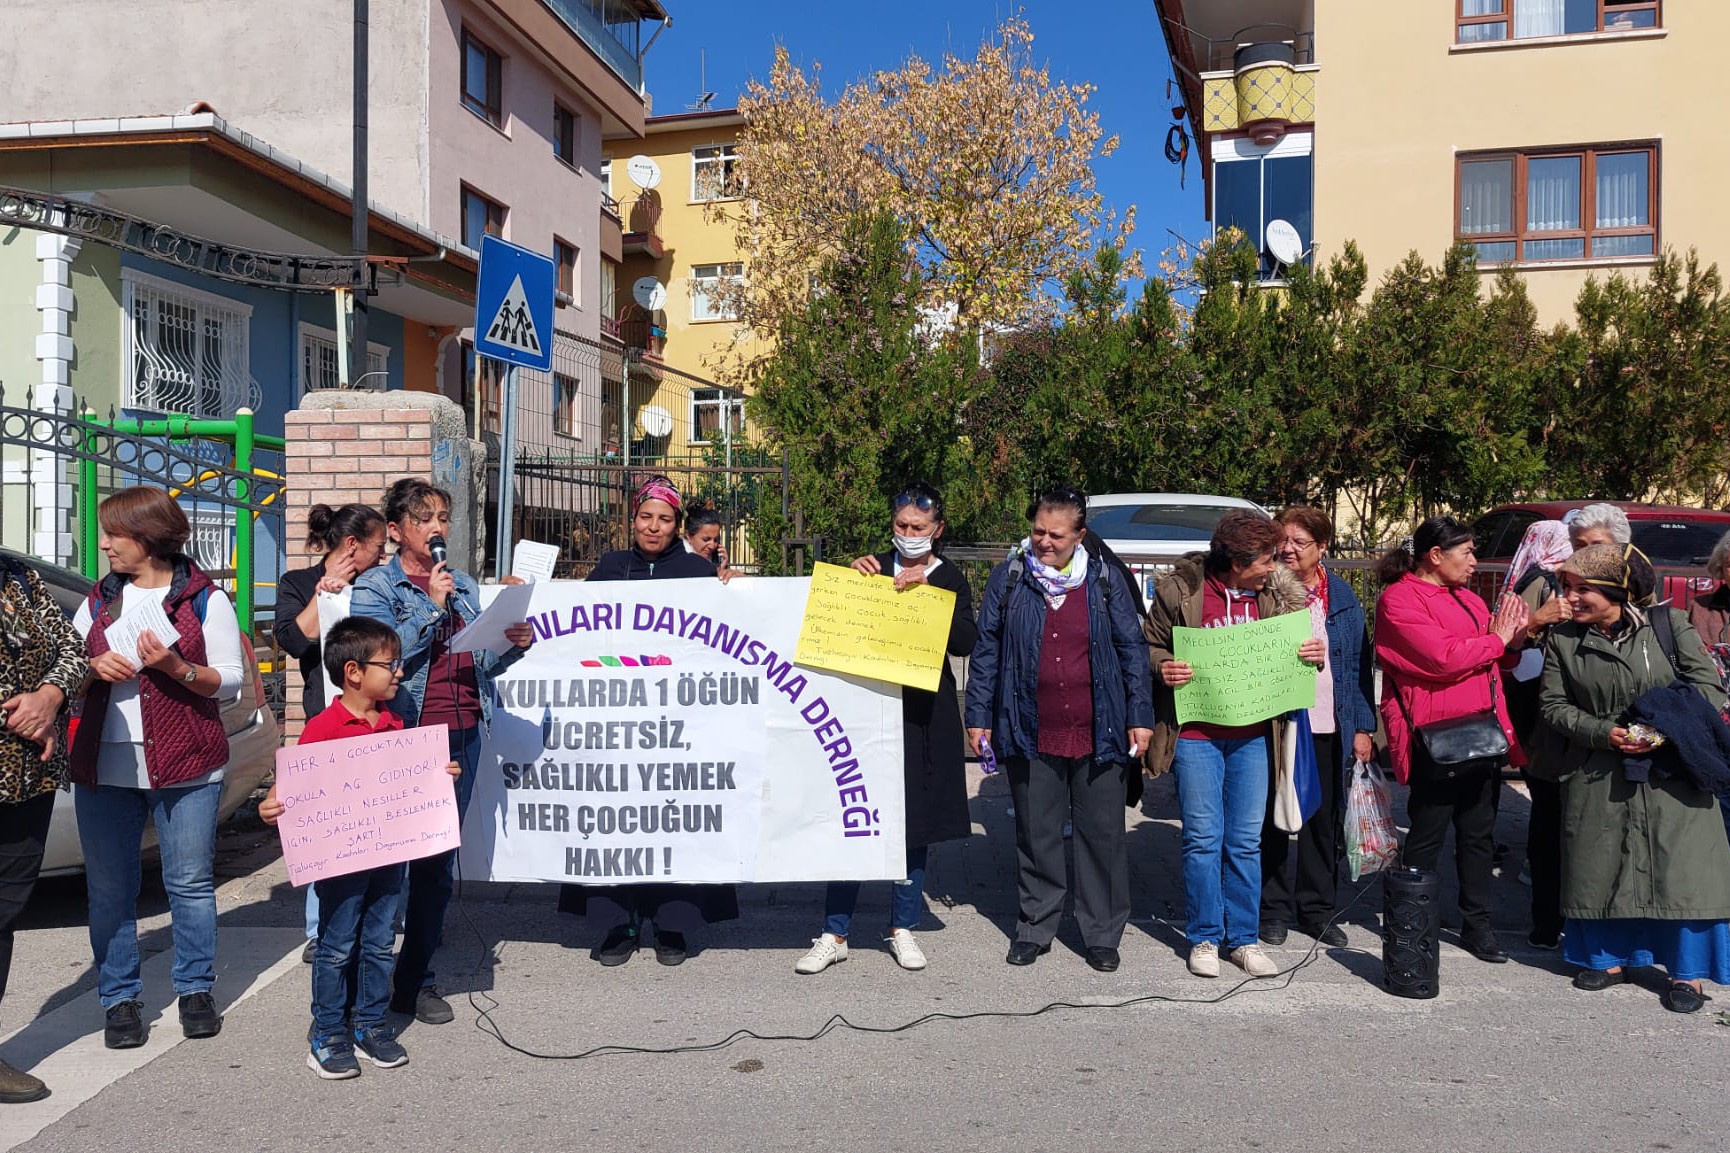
(1219, 54)
(589, 20)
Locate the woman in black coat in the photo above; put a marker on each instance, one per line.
(674, 910)
(931, 735)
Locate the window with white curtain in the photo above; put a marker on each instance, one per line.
(1482, 20)
(1564, 204)
(707, 281)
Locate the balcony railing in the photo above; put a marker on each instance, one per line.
(1220, 55)
(611, 28)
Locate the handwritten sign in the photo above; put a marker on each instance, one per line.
(861, 625)
(1245, 673)
(146, 616)
(362, 802)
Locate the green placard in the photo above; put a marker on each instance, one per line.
(1245, 673)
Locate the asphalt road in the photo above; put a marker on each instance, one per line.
(1507, 1057)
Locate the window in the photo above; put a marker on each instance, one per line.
(480, 216)
(1482, 20)
(607, 175)
(706, 282)
(565, 261)
(709, 407)
(715, 172)
(318, 363)
(564, 134)
(483, 80)
(212, 543)
(609, 291)
(1573, 204)
(185, 351)
(1255, 184)
(567, 406)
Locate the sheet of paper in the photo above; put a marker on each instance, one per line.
(1245, 673)
(861, 625)
(534, 561)
(147, 615)
(487, 631)
(332, 607)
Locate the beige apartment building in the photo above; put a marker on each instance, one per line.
(1563, 138)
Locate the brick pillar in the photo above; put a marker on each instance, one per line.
(337, 454)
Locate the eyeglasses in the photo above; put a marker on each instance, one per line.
(394, 666)
(1300, 544)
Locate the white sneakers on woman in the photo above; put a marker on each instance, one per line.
(1253, 961)
(832, 950)
(1204, 959)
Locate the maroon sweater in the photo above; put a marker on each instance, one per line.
(1065, 694)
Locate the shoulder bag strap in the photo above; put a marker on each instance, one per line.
(1664, 625)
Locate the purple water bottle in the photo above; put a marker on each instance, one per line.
(987, 758)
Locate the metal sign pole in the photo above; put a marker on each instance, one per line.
(507, 471)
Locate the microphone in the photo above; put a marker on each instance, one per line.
(436, 545)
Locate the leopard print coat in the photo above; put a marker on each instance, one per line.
(38, 646)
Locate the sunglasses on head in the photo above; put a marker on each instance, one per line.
(921, 501)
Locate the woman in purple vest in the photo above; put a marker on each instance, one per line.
(151, 745)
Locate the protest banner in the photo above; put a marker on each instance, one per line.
(362, 802)
(659, 731)
(863, 626)
(1244, 673)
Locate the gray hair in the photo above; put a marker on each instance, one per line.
(1605, 516)
(1719, 561)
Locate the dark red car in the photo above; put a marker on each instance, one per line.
(1676, 538)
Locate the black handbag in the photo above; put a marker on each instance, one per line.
(1458, 748)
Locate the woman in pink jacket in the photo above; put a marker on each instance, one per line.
(1440, 649)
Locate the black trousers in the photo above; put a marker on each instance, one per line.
(1319, 843)
(1048, 791)
(23, 835)
(1544, 853)
(1469, 806)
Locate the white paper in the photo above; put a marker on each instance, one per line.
(487, 631)
(147, 615)
(534, 561)
(332, 607)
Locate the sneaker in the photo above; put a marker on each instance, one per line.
(378, 1044)
(1253, 961)
(906, 948)
(18, 1087)
(125, 1026)
(1204, 959)
(432, 1009)
(825, 951)
(311, 951)
(332, 1058)
(617, 947)
(198, 1015)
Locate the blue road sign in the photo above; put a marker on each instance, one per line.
(514, 305)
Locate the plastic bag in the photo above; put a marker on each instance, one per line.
(1372, 843)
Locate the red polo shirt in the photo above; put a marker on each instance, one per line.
(336, 722)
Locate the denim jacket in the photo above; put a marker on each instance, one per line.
(1004, 673)
(386, 594)
(1352, 663)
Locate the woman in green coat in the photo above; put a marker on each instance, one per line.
(1645, 864)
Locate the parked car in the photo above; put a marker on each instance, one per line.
(252, 733)
(1142, 526)
(1674, 537)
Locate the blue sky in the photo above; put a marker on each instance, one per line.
(1115, 46)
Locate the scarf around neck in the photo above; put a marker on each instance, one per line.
(1055, 583)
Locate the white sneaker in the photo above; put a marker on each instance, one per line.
(1253, 961)
(906, 948)
(825, 951)
(1204, 960)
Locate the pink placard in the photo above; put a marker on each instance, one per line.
(362, 802)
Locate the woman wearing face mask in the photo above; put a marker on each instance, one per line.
(673, 911)
(935, 774)
(1222, 771)
(352, 539)
(1442, 652)
(1059, 691)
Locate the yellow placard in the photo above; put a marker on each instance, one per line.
(860, 625)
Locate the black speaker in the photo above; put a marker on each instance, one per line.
(1411, 924)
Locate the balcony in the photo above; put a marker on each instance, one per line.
(641, 220)
(613, 31)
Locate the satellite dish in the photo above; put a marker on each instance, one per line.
(650, 293)
(656, 421)
(1284, 242)
(643, 171)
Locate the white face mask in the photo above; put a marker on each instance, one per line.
(912, 547)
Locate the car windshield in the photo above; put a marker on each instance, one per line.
(1185, 522)
(1675, 542)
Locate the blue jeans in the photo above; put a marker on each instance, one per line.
(312, 911)
(355, 937)
(1222, 795)
(111, 826)
(428, 891)
(907, 900)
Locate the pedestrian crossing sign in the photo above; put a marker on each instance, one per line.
(514, 305)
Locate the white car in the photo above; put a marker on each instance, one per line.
(1151, 530)
(253, 736)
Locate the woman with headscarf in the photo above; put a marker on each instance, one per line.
(1646, 868)
(657, 552)
(1532, 577)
